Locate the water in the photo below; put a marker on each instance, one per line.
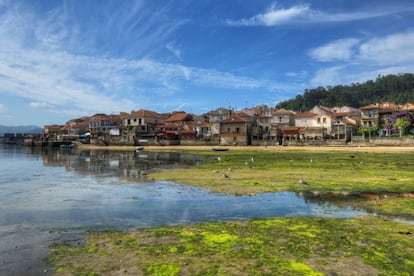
(52, 195)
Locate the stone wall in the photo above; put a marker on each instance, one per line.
(392, 141)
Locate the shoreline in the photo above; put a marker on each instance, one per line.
(379, 149)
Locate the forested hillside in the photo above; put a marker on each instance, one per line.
(398, 89)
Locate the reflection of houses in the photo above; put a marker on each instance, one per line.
(235, 130)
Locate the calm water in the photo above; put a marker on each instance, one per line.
(55, 195)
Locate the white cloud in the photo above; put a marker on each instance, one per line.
(170, 47)
(341, 49)
(3, 108)
(273, 16)
(328, 76)
(391, 54)
(36, 65)
(389, 50)
(40, 105)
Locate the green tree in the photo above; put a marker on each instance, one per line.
(368, 129)
(402, 124)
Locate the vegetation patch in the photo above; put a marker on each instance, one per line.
(252, 172)
(281, 246)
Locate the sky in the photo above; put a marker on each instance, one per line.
(61, 59)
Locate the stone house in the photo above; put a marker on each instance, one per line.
(314, 125)
(141, 125)
(102, 124)
(235, 130)
(377, 115)
(214, 117)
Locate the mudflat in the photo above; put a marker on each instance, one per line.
(379, 149)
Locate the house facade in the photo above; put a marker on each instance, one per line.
(235, 131)
(141, 124)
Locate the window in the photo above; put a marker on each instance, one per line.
(140, 121)
(237, 130)
(280, 119)
(319, 120)
(324, 120)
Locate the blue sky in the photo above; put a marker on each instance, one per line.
(66, 59)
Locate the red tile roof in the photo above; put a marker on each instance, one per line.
(178, 116)
(143, 113)
(234, 118)
(305, 115)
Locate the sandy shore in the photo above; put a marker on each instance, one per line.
(261, 148)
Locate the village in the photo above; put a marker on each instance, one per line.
(258, 126)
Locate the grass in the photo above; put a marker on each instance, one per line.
(277, 246)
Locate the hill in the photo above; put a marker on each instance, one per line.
(20, 129)
(398, 89)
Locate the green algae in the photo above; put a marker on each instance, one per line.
(298, 246)
(274, 171)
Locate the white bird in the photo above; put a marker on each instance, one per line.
(311, 160)
(219, 158)
(252, 159)
(303, 182)
(225, 175)
(216, 171)
(230, 169)
(246, 163)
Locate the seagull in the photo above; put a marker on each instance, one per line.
(246, 163)
(311, 160)
(303, 182)
(230, 169)
(219, 158)
(252, 159)
(216, 171)
(225, 175)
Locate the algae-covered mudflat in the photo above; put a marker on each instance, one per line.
(279, 246)
(366, 245)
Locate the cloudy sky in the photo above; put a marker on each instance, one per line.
(66, 59)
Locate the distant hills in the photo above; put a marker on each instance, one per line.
(20, 129)
(397, 89)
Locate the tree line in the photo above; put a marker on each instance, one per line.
(397, 89)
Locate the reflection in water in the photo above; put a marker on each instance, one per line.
(113, 163)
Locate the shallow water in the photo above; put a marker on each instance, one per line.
(53, 195)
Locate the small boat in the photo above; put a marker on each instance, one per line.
(67, 146)
(220, 149)
(139, 149)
